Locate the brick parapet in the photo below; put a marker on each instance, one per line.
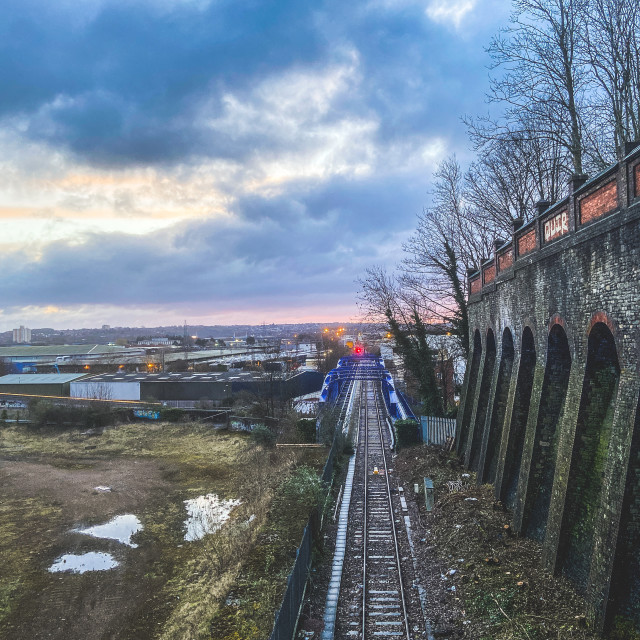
(607, 196)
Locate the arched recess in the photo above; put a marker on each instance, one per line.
(590, 451)
(624, 594)
(543, 461)
(518, 425)
(483, 400)
(499, 408)
(471, 389)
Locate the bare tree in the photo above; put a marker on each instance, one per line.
(542, 73)
(613, 54)
(514, 169)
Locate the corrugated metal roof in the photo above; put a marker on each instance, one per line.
(59, 350)
(40, 378)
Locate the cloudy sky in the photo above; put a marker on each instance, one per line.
(221, 161)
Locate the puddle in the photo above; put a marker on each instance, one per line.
(92, 561)
(121, 528)
(206, 514)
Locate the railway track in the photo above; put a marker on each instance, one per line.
(377, 595)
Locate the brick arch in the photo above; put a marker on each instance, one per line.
(545, 448)
(519, 415)
(526, 322)
(590, 453)
(488, 470)
(558, 319)
(472, 382)
(490, 352)
(602, 317)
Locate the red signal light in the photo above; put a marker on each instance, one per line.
(358, 350)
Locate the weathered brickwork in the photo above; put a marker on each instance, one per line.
(553, 385)
(492, 445)
(636, 181)
(505, 260)
(545, 447)
(489, 274)
(527, 242)
(475, 285)
(599, 203)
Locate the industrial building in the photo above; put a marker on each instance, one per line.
(28, 358)
(192, 387)
(39, 384)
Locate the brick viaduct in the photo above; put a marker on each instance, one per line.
(550, 409)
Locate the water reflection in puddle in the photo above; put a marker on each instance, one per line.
(92, 561)
(206, 514)
(120, 528)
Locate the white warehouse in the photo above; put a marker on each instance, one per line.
(99, 388)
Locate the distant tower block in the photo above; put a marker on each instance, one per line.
(22, 335)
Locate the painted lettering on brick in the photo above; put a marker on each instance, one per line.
(556, 226)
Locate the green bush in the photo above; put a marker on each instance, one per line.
(407, 433)
(306, 428)
(263, 436)
(171, 415)
(295, 500)
(43, 413)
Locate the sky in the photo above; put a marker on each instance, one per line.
(219, 161)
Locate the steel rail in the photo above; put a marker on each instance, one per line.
(364, 519)
(393, 526)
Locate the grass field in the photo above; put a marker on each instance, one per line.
(165, 586)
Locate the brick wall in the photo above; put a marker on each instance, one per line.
(600, 202)
(475, 285)
(505, 260)
(636, 181)
(527, 242)
(601, 413)
(489, 274)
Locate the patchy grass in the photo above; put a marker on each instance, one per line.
(167, 588)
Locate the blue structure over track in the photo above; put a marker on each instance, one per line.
(365, 367)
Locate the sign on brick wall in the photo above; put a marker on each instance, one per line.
(556, 226)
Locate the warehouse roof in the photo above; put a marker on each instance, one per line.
(59, 350)
(186, 376)
(40, 378)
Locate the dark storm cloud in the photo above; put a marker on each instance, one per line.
(120, 85)
(275, 258)
(376, 91)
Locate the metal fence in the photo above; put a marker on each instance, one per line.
(287, 617)
(437, 430)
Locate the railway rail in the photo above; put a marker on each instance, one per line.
(378, 598)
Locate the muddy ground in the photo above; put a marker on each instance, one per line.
(49, 502)
(164, 587)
